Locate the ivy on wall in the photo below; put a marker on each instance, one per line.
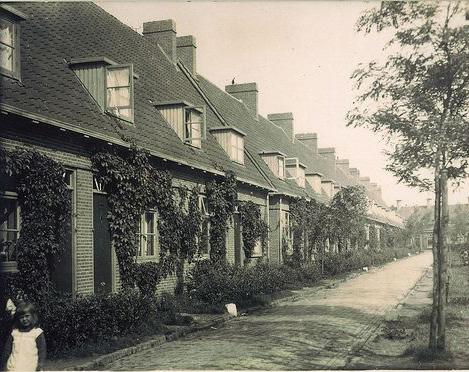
(45, 214)
(373, 241)
(134, 186)
(254, 227)
(221, 200)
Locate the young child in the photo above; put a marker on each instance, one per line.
(25, 349)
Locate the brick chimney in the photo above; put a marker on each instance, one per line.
(164, 34)
(355, 173)
(186, 51)
(329, 154)
(245, 92)
(365, 181)
(285, 121)
(343, 164)
(309, 139)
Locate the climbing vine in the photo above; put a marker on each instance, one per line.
(221, 199)
(45, 213)
(254, 227)
(373, 241)
(133, 186)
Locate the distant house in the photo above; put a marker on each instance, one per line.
(458, 226)
(74, 77)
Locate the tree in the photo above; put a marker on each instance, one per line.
(348, 208)
(419, 99)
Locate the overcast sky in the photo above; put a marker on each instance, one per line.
(301, 54)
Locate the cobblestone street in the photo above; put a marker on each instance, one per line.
(317, 331)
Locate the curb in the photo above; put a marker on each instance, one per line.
(157, 341)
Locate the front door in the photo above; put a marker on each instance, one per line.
(102, 245)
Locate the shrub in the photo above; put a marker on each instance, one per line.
(72, 323)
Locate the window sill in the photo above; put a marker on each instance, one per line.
(148, 259)
(10, 75)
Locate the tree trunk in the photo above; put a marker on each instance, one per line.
(442, 267)
(436, 228)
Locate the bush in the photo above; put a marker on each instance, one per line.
(72, 323)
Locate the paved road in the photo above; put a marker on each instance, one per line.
(317, 331)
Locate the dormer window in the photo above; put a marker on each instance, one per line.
(276, 162)
(188, 121)
(110, 84)
(193, 126)
(10, 41)
(296, 171)
(232, 141)
(119, 91)
(281, 167)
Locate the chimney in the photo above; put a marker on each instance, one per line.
(309, 139)
(245, 92)
(164, 34)
(365, 181)
(284, 121)
(355, 173)
(398, 204)
(186, 52)
(329, 154)
(343, 164)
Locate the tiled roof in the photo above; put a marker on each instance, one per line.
(59, 31)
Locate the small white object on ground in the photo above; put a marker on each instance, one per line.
(395, 259)
(365, 268)
(231, 308)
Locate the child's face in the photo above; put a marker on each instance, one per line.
(26, 320)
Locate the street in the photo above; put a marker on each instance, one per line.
(317, 331)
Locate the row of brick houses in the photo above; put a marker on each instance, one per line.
(73, 76)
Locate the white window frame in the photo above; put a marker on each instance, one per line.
(203, 208)
(17, 231)
(281, 169)
(111, 110)
(142, 252)
(188, 126)
(236, 148)
(15, 73)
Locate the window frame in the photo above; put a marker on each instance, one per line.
(107, 108)
(15, 73)
(281, 175)
(203, 208)
(17, 231)
(236, 147)
(143, 237)
(188, 139)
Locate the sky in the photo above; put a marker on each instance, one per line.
(301, 55)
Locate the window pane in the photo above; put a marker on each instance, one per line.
(119, 77)
(6, 32)
(6, 57)
(9, 215)
(118, 97)
(150, 245)
(149, 222)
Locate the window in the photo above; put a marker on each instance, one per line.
(98, 185)
(9, 223)
(204, 244)
(237, 148)
(257, 251)
(148, 234)
(119, 91)
(281, 167)
(287, 232)
(193, 126)
(10, 41)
